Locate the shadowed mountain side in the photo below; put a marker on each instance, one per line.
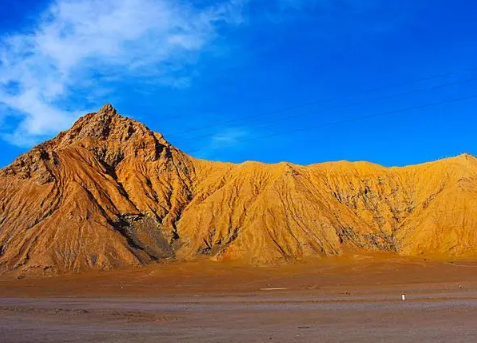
(109, 193)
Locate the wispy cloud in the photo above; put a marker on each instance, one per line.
(227, 138)
(80, 42)
(81, 51)
(230, 136)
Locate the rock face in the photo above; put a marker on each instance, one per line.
(110, 193)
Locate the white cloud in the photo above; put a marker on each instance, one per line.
(77, 42)
(226, 138)
(229, 136)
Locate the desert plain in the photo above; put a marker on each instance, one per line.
(348, 299)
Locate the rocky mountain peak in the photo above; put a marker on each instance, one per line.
(108, 135)
(108, 109)
(110, 193)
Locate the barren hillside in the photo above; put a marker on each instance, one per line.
(109, 193)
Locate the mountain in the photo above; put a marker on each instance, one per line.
(110, 193)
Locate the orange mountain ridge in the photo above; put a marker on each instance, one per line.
(110, 193)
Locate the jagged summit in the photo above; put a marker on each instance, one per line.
(108, 109)
(106, 124)
(109, 193)
(108, 135)
(103, 125)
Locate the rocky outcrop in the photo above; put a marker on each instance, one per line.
(110, 193)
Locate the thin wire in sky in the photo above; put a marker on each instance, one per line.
(350, 120)
(333, 108)
(315, 102)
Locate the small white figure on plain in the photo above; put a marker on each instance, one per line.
(403, 297)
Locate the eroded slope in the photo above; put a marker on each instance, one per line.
(109, 192)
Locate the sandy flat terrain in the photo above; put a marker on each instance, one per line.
(355, 300)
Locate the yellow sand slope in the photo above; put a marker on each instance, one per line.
(109, 193)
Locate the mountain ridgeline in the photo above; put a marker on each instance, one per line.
(110, 193)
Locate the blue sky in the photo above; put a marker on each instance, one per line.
(392, 82)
